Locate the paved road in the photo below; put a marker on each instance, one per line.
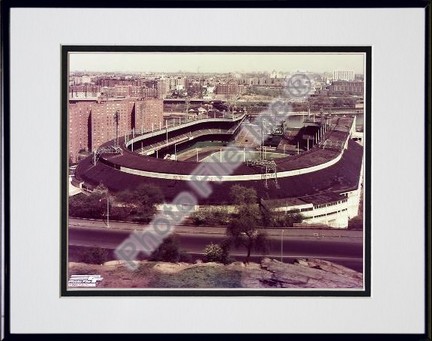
(343, 247)
(307, 233)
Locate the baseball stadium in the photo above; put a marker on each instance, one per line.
(315, 169)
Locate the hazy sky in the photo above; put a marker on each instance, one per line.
(214, 62)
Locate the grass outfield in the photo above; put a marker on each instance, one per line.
(249, 155)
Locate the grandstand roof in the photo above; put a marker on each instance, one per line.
(340, 177)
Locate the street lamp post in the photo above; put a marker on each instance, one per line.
(282, 238)
(107, 208)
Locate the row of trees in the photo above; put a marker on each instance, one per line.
(140, 205)
(136, 205)
(245, 202)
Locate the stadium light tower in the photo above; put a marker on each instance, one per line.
(116, 120)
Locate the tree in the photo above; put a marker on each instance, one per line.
(213, 253)
(217, 252)
(91, 205)
(210, 216)
(168, 251)
(290, 218)
(140, 203)
(243, 195)
(243, 230)
(146, 194)
(274, 218)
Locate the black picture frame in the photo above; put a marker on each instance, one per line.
(6, 7)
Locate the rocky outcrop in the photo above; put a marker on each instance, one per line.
(304, 273)
(270, 273)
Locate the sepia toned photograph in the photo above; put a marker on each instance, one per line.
(216, 171)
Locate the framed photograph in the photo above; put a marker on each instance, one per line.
(216, 159)
(228, 177)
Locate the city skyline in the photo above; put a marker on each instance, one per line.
(206, 62)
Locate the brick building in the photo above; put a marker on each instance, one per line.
(79, 114)
(163, 87)
(345, 88)
(229, 89)
(343, 75)
(92, 124)
(148, 114)
(103, 126)
(84, 91)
